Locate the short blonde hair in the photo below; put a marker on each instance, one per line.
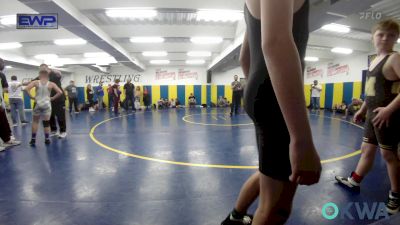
(388, 24)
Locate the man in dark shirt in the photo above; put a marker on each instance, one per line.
(236, 95)
(129, 95)
(5, 131)
(72, 92)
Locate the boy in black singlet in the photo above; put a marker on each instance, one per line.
(271, 59)
(382, 108)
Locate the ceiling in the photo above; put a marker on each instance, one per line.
(176, 21)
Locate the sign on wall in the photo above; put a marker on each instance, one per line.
(313, 72)
(94, 79)
(187, 74)
(165, 75)
(37, 21)
(338, 69)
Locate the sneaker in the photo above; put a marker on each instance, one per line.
(32, 142)
(393, 204)
(47, 141)
(11, 143)
(62, 135)
(348, 183)
(77, 112)
(92, 110)
(230, 220)
(24, 122)
(53, 133)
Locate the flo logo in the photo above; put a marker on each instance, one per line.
(363, 211)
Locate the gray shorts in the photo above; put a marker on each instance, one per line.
(42, 111)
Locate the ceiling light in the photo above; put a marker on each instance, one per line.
(8, 20)
(199, 54)
(159, 62)
(206, 40)
(76, 41)
(46, 56)
(96, 55)
(346, 51)
(311, 59)
(10, 45)
(219, 15)
(336, 28)
(155, 54)
(131, 12)
(195, 62)
(147, 39)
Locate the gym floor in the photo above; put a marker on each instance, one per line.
(181, 167)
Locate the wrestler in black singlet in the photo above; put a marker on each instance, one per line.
(260, 101)
(380, 92)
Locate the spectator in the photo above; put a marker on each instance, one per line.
(236, 95)
(90, 95)
(146, 99)
(100, 94)
(72, 96)
(160, 103)
(354, 106)
(16, 101)
(116, 95)
(129, 95)
(340, 108)
(110, 92)
(315, 95)
(192, 100)
(177, 103)
(137, 98)
(173, 103)
(5, 131)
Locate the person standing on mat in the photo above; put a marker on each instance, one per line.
(272, 56)
(5, 130)
(236, 95)
(16, 101)
(315, 96)
(57, 106)
(129, 95)
(382, 110)
(43, 107)
(116, 95)
(100, 94)
(72, 92)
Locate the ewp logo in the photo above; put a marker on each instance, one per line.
(377, 210)
(37, 21)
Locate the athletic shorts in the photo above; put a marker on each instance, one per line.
(271, 132)
(42, 111)
(387, 138)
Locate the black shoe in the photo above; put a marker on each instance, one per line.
(47, 141)
(32, 142)
(230, 220)
(393, 204)
(349, 183)
(24, 122)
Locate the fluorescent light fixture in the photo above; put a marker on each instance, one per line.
(311, 59)
(9, 67)
(345, 51)
(155, 53)
(131, 12)
(206, 40)
(219, 15)
(76, 41)
(159, 62)
(199, 54)
(96, 55)
(8, 20)
(46, 56)
(10, 45)
(336, 28)
(147, 40)
(195, 62)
